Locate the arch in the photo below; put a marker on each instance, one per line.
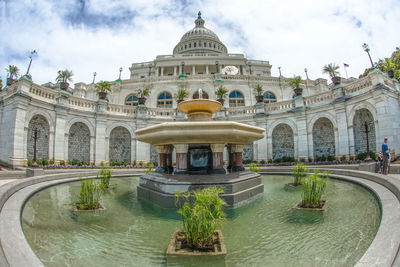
(323, 138)
(236, 99)
(132, 100)
(318, 116)
(269, 97)
(41, 124)
(120, 145)
(365, 105)
(361, 117)
(164, 100)
(79, 142)
(46, 115)
(282, 141)
(84, 121)
(119, 124)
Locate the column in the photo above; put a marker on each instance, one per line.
(157, 71)
(162, 158)
(243, 70)
(302, 141)
(162, 71)
(59, 138)
(175, 69)
(181, 158)
(97, 141)
(236, 158)
(207, 72)
(193, 70)
(218, 158)
(180, 69)
(170, 168)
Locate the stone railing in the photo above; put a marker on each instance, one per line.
(277, 106)
(240, 111)
(161, 112)
(82, 103)
(326, 96)
(121, 109)
(42, 92)
(358, 85)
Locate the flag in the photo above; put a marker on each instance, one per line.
(346, 65)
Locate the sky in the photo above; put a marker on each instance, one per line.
(101, 36)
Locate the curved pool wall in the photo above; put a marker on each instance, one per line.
(15, 250)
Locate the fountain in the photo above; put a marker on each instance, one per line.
(199, 144)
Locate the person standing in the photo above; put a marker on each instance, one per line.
(385, 153)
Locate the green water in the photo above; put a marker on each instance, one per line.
(266, 232)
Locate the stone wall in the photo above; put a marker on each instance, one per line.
(282, 141)
(42, 141)
(248, 152)
(323, 138)
(120, 145)
(79, 142)
(153, 154)
(360, 137)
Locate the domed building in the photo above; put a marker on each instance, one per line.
(321, 121)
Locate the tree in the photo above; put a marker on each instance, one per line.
(64, 76)
(295, 82)
(103, 86)
(12, 71)
(221, 92)
(258, 89)
(144, 92)
(331, 69)
(181, 94)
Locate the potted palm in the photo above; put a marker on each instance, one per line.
(12, 71)
(388, 66)
(64, 76)
(181, 95)
(102, 88)
(143, 93)
(295, 83)
(332, 70)
(221, 94)
(259, 91)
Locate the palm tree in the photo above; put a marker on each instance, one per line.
(64, 76)
(388, 66)
(12, 71)
(181, 95)
(142, 95)
(221, 94)
(332, 70)
(259, 90)
(295, 83)
(102, 88)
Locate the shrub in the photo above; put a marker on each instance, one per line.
(30, 162)
(89, 195)
(44, 162)
(372, 154)
(62, 162)
(299, 172)
(342, 158)
(51, 161)
(105, 176)
(253, 167)
(262, 161)
(141, 164)
(314, 187)
(279, 160)
(83, 163)
(149, 168)
(270, 160)
(303, 160)
(310, 159)
(361, 156)
(246, 161)
(330, 158)
(134, 163)
(201, 219)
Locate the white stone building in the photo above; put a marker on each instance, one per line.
(324, 121)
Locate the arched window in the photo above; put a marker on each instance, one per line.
(269, 97)
(164, 100)
(131, 100)
(236, 99)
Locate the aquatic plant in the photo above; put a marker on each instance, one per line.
(253, 167)
(299, 172)
(149, 167)
(89, 195)
(105, 176)
(203, 217)
(314, 187)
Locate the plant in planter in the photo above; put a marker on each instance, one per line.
(199, 221)
(181, 95)
(143, 93)
(64, 76)
(102, 88)
(388, 66)
(295, 83)
(105, 176)
(314, 187)
(259, 91)
(221, 94)
(332, 70)
(299, 173)
(253, 167)
(89, 195)
(12, 71)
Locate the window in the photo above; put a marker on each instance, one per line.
(131, 100)
(190, 45)
(236, 99)
(194, 44)
(269, 97)
(164, 100)
(185, 46)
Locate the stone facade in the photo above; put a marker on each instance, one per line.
(79, 142)
(323, 138)
(248, 152)
(42, 139)
(282, 142)
(361, 117)
(120, 145)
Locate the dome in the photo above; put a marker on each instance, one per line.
(199, 40)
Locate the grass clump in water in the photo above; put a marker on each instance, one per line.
(314, 187)
(299, 173)
(89, 195)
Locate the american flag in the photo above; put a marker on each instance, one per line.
(346, 65)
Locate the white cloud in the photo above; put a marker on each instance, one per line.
(290, 34)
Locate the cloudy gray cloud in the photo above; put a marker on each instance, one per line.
(103, 35)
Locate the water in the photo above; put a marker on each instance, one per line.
(266, 232)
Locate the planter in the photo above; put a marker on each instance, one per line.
(336, 80)
(179, 101)
(298, 91)
(10, 81)
(321, 207)
(178, 246)
(103, 95)
(390, 74)
(64, 86)
(78, 210)
(221, 100)
(142, 100)
(259, 98)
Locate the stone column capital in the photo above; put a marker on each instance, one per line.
(181, 148)
(237, 148)
(162, 149)
(217, 147)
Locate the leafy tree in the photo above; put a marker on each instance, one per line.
(144, 92)
(12, 71)
(103, 86)
(64, 76)
(295, 82)
(331, 69)
(221, 92)
(181, 94)
(258, 89)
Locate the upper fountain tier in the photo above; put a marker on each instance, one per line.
(199, 109)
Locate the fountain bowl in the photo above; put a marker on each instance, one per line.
(199, 109)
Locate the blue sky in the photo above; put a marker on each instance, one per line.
(104, 35)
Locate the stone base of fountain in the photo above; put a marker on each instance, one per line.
(239, 187)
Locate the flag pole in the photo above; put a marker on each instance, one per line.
(345, 70)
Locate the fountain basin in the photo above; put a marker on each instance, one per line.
(199, 109)
(209, 132)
